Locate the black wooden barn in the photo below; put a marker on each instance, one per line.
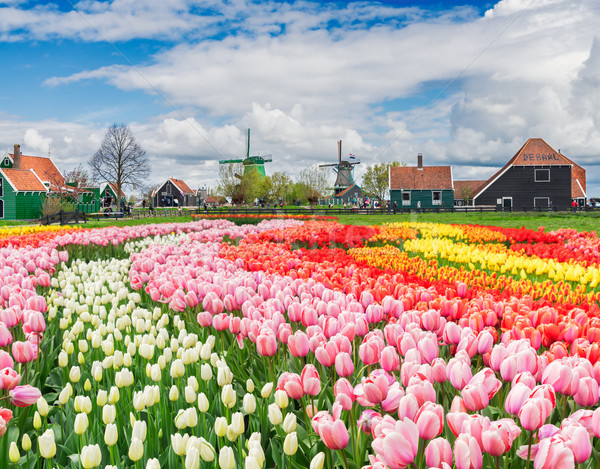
(174, 193)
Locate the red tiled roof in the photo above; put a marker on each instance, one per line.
(461, 186)
(24, 180)
(536, 152)
(428, 177)
(181, 185)
(44, 168)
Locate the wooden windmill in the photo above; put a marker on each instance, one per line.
(344, 170)
(251, 163)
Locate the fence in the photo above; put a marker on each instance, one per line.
(63, 218)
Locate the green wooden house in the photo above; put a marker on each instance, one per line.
(22, 194)
(421, 187)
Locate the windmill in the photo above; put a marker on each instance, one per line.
(344, 170)
(251, 163)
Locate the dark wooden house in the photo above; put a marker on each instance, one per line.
(174, 193)
(426, 187)
(536, 177)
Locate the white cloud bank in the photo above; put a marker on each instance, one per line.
(303, 75)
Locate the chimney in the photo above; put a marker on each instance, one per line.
(339, 151)
(17, 157)
(420, 160)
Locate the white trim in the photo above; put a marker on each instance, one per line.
(507, 198)
(434, 201)
(535, 175)
(484, 188)
(38, 178)
(180, 189)
(584, 193)
(540, 198)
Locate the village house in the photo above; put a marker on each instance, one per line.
(426, 187)
(174, 193)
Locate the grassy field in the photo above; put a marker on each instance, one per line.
(550, 221)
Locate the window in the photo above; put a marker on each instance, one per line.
(507, 202)
(1, 187)
(542, 175)
(6, 162)
(405, 197)
(436, 197)
(1, 208)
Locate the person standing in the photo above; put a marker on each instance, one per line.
(395, 206)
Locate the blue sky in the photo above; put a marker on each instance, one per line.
(464, 83)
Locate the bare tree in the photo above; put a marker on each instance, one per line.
(120, 159)
(314, 182)
(376, 179)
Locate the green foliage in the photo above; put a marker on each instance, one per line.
(376, 179)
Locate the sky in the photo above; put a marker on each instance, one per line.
(463, 83)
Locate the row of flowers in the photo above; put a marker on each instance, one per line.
(317, 357)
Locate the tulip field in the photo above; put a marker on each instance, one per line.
(299, 343)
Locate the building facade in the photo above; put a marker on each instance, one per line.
(421, 187)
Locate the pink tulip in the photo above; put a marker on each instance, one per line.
(408, 406)
(534, 413)
(298, 344)
(266, 344)
(487, 378)
(430, 420)
(343, 364)
(326, 354)
(23, 352)
(369, 352)
(561, 377)
(498, 438)
(422, 389)
(291, 384)
(389, 359)
(587, 394)
(343, 386)
(516, 398)
(6, 337)
(428, 348)
(6, 361)
(9, 379)
(467, 453)
(475, 397)
(438, 370)
(398, 448)
(459, 373)
(438, 451)
(9, 317)
(205, 319)
(311, 383)
(23, 396)
(553, 453)
(578, 441)
(334, 434)
(375, 388)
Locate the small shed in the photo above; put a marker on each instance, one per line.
(174, 193)
(421, 186)
(464, 191)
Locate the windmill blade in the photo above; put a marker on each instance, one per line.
(267, 158)
(326, 165)
(230, 161)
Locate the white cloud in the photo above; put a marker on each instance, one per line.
(303, 75)
(33, 139)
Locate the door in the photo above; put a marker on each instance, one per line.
(507, 203)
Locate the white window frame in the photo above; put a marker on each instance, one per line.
(507, 198)
(406, 202)
(535, 175)
(433, 200)
(535, 199)
(6, 162)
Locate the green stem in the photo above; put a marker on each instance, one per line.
(344, 457)
(529, 450)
